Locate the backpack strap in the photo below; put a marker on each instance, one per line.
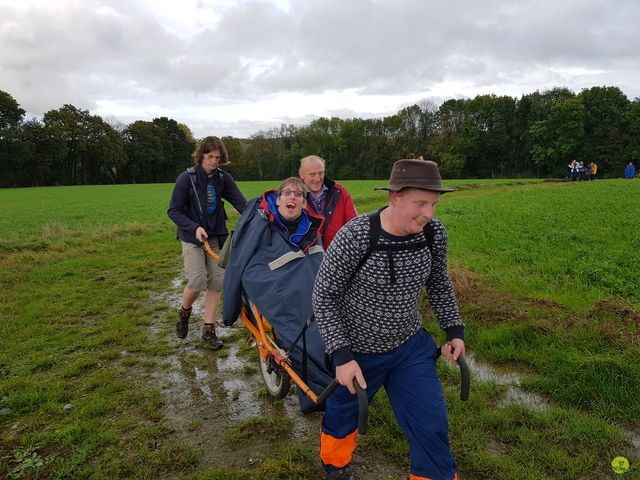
(192, 175)
(429, 235)
(375, 232)
(221, 177)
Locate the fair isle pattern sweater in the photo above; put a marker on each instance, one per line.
(363, 311)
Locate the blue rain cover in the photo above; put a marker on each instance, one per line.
(283, 295)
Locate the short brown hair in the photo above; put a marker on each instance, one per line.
(210, 144)
(293, 181)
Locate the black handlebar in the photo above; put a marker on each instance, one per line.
(363, 403)
(328, 391)
(465, 379)
(363, 408)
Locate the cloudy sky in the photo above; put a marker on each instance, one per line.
(234, 67)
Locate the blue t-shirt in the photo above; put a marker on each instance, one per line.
(212, 198)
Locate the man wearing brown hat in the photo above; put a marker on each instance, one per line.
(365, 301)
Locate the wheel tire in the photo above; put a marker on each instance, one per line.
(277, 384)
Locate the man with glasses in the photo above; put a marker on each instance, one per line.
(276, 252)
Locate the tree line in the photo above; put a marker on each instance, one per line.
(488, 136)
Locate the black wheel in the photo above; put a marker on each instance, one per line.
(277, 383)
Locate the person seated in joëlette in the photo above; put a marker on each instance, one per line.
(276, 252)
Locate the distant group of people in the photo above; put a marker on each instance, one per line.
(576, 170)
(302, 249)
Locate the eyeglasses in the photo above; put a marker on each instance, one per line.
(288, 193)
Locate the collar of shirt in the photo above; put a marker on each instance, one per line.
(318, 202)
(322, 192)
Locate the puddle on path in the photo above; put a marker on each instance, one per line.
(518, 395)
(515, 393)
(632, 432)
(207, 393)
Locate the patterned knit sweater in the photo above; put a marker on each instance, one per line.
(364, 311)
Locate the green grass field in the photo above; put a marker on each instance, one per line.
(547, 275)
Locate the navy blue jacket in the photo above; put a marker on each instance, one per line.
(183, 207)
(277, 274)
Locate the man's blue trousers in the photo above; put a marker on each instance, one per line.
(410, 379)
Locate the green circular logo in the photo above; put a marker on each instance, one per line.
(620, 465)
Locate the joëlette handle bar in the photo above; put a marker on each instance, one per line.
(465, 379)
(209, 250)
(363, 403)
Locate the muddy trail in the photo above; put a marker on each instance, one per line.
(210, 395)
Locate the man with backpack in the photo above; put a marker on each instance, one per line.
(197, 209)
(365, 300)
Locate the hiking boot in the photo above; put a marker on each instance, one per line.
(209, 336)
(342, 474)
(182, 325)
(235, 324)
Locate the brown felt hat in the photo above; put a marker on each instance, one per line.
(415, 173)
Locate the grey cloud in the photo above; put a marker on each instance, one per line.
(398, 47)
(247, 128)
(85, 52)
(550, 32)
(66, 51)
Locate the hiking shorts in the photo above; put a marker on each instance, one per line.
(200, 268)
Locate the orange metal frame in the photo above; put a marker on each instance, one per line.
(267, 347)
